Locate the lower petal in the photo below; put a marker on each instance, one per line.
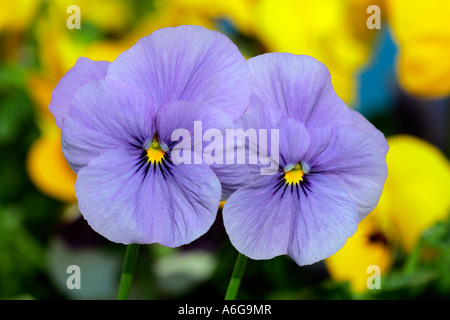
(257, 222)
(323, 221)
(126, 206)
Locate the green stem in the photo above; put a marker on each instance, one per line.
(129, 263)
(236, 277)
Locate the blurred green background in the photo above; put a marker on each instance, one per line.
(397, 76)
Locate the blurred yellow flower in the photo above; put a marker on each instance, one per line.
(49, 170)
(46, 165)
(171, 13)
(236, 11)
(414, 198)
(422, 32)
(58, 47)
(416, 192)
(367, 247)
(107, 15)
(15, 16)
(333, 31)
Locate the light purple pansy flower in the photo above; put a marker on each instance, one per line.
(332, 165)
(117, 133)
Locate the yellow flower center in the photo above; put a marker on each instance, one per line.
(155, 153)
(295, 175)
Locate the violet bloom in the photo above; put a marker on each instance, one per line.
(331, 172)
(117, 122)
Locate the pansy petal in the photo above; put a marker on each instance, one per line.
(364, 125)
(187, 63)
(231, 167)
(127, 206)
(105, 114)
(232, 177)
(262, 117)
(228, 158)
(299, 86)
(264, 121)
(195, 117)
(257, 222)
(294, 141)
(355, 158)
(308, 226)
(205, 127)
(83, 71)
(322, 223)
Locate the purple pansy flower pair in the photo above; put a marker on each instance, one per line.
(118, 119)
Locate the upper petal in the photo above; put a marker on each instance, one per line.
(299, 86)
(186, 63)
(265, 121)
(83, 71)
(353, 155)
(105, 114)
(294, 141)
(195, 117)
